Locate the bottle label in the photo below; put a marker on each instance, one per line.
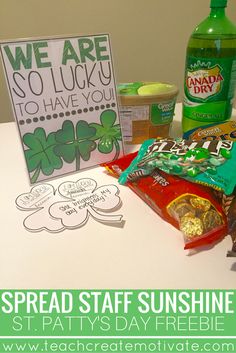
(208, 88)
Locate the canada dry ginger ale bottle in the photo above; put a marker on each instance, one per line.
(210, 70)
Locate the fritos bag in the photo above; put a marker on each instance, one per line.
(190, 207)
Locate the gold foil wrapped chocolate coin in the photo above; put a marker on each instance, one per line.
(201, 204)
(191, 226)
(182, 209)
(211, 219)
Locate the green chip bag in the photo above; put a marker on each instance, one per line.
(211, 163)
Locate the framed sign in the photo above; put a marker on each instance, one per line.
(63, 95)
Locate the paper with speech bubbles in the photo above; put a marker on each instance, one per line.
(70, 205)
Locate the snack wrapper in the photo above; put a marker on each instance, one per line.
(211, 163)
(220, 131)
(190, 207)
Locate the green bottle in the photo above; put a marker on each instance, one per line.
(210, 71)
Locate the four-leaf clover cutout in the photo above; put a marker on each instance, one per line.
(75, 143)
(71, 143)
(107, 133)
(40, 154)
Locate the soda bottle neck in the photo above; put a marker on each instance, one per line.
(217, 12)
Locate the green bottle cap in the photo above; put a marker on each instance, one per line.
(218, 3)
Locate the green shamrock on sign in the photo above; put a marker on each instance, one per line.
(107, 133)
(75, 143)
(40, 156)
(46, 153)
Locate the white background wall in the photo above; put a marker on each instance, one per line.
(148, 37)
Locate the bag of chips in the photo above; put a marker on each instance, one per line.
(211, 163)
(190, 207)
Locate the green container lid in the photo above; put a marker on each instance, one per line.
(218, 3)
